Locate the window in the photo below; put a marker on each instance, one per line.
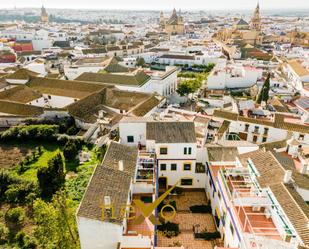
(256, 129)
(264, 139)
(130, 139)
(187, 166)
(173, 167)
(246, 127)
(266, 131)
(186, 182)
(187, 150)
(301, 137)
(162, 166)
(163, 151)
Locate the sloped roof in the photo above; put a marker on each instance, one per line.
(19, 109)
(278, 123)
(269, 169)
(294, 207)
(108, 180)
(136, 79)
(298, 68)
(68, 88)
(22, 94)
(146, 106)
(171, 132)
(94, 51)
(242, 22)
(22, 74)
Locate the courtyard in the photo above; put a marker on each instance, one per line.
(188, 220)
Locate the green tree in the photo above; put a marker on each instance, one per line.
(4, 231)
(15, 215)
(70, 150)
(140, 62)
(55, 220)
(52, 177)
(188, 86)
(264, 94)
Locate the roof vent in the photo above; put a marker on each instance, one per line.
(107, 202)
(120, 165)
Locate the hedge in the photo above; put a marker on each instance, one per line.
(208, 235)
(169, 229)
(203, 209)
(36, 132)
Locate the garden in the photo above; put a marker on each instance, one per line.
(41, 189)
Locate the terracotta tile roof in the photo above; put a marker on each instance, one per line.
(68, 88)
(94, 51)
(108, 180)
(294, 207)
(171, 132)
(146, 106)
(298, 68)
(19, 109)
(222, 154)
(132, 79)
(270, 171)
(22, 94)
(274, 145)
(223, 128)
(301, 180)
(278, 123)
(22, 74)
(87, 109)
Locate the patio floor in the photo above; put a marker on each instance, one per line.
(187, 220)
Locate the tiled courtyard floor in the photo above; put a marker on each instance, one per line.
(187, 220)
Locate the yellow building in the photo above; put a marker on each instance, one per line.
(242, 33)
(44, 15)
(173, 25)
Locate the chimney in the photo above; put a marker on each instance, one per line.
(120, 165)
(101, 114)
(287, 176)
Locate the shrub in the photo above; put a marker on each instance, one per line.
(36, 132)
(169, 229)
(70, 150)
(201, 209)
(4, 231)
(167, 209)
(208, 235)
(73, 130)
(17, 193)
(15, 215)
(6, 180)
(52, 177)
(177, 190)
(24, 241)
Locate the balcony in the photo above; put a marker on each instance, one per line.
(146, 173)
(146, 162)
(257, 221)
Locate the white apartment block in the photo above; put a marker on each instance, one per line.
(175, 147)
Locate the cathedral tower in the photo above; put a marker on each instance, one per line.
(256, 19)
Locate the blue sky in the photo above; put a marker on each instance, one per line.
(157, 4)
